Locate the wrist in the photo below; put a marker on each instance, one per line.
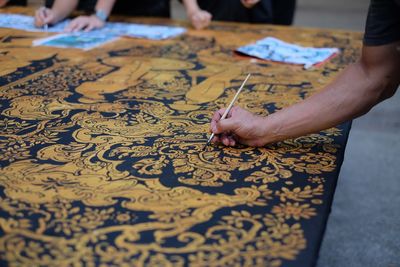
(271, 129)
(193, 11)
(101, 15)
(191, 8)
(55, 16)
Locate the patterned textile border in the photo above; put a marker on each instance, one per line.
(101, 160)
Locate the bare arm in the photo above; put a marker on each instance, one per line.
(63, 8)
(89, 23)
(190, 6)
(105, 5)
(59, 11)
(353, 93)
(361, 86)
(198, 17)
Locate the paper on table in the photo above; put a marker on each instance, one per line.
(154, 32)
(81, 40)
(276, 50)
(26, 23)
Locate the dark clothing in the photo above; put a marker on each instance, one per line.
(283, 11)
(383, 22)
(17, 3)
(147, 8)
(265, 11)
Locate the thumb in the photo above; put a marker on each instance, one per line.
(226, 125)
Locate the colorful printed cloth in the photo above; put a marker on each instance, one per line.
(271, 48)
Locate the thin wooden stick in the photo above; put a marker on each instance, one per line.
(229, 108)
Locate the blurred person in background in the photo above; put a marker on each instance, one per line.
(202, 12)
(97, 12)
(13, 2)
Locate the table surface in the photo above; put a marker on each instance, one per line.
(101, 152)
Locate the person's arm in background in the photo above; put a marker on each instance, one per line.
(3, 3)
(199, 18)
(87, 23)
(353, 93)
(59, 11)
(249, 3)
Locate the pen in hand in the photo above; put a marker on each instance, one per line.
(228, 109)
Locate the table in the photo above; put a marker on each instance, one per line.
(102, 162)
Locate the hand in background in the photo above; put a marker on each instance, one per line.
(200, 19)
(240, 126)
(44, 16)
(249, 3)
(86, 23)
(3, 3)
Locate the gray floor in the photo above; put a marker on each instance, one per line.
(364, 226)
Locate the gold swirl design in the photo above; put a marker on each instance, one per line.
(101, 159)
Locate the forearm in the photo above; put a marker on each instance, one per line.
(63, 8)
(105, 5)
(352, 94)
(191, 6)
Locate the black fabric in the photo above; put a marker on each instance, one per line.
(100, 168)
(283, 11)
(148, 8)
(85, 5)
(383, 22)
(17, 3)
(266, 11)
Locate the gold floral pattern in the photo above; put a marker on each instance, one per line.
(101, 159)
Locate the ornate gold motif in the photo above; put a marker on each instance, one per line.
(102, 162)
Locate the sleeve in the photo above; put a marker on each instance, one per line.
(383, 23)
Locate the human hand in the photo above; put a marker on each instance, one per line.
(249, 3)
(200, 19)
(86, 23)
(240, 126)
(44, 16)
(3, 3)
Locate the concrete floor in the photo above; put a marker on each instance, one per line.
(364, 226)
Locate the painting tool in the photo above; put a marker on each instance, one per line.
(228, 109)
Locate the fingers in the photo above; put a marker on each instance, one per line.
(3, 2)
(223, 128)
(42, 16)
(249, 3)
(84, 23)
(201, 19)
(77, 24)
(240, 126)
(216, 118)
(226, 125)
(94, 23)
(219, 126)
(89, 27)
(226, 139)
(229, 124)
